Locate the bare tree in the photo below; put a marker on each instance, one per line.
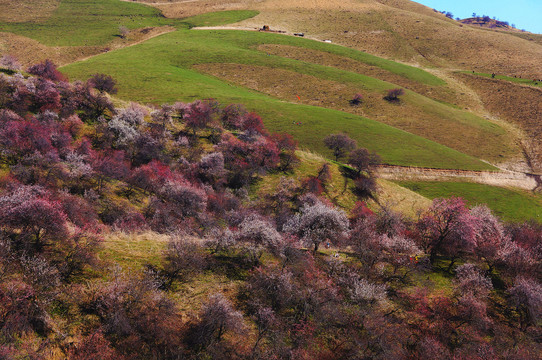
(317, 223)
(526, 297)
(10, 62)
(217, 317)
(340, 144)
(123, 31)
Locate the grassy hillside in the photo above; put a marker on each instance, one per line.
(425, 111)
(87, 22)
(509, 204)
(219, 18)
(189, 232)
(160, 70)
(403, 30)
(28, 10)
(398, 29)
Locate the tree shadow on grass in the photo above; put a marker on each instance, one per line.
(234, 267)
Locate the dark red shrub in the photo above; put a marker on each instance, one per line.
(20, 311)
(103, 83)
(356, 100)
(152, 176)
(216, 318)
(447, 228)
(253, 122)
(130, 222)
(34, 219)
(232, 116)
(199, 115)
(365, 187)
(47, 70)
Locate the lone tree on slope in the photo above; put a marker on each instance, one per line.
(341, 144)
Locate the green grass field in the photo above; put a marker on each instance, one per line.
(159, 70)
(510, 205)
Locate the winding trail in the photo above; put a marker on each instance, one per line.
(503, 178)
(161, 31)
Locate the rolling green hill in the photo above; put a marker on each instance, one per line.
(159, 70)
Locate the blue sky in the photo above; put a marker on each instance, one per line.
(525, 14)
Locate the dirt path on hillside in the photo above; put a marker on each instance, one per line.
(504, 178)
(226, 27)
(165, 30)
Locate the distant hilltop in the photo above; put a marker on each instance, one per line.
(487, 22)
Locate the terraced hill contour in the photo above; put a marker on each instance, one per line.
(398, 29)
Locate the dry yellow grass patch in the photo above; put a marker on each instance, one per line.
(401, 200)
(411, 37)
(418, 118)
(191, 295)
(132, 250)
(29, 51)
(185, 8)
(319, 4)
(27, 10)
(520, 105)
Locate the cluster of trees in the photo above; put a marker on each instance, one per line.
(482, 18)
(454, 283)
(486, 18)
(362, 164)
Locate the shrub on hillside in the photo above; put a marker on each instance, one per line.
(103, 83)
(317, 223)
(183, 258)
(356, 100)
(526, 297)
(32, 218)
(217, 317)
(46, 70)
(447, 228)
(10, 62)
(136, 316)
(393, 94)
